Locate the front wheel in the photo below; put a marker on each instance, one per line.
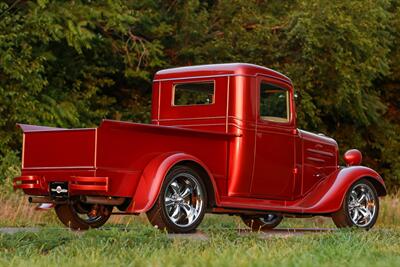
(360, 207)
(266, 222)
(80, 216)
(182, 201)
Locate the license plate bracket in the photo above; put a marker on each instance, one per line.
(59, 189)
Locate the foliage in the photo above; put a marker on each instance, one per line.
(68, 64)
(72, 63)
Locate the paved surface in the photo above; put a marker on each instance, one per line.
(287, 232)
(199, 235)
(13, 230)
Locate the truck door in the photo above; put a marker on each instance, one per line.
(274, 162)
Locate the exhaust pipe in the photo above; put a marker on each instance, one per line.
(112, 201)
(40, 200)
(45, 203)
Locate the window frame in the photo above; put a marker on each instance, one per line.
(270, 119)
(191, 82)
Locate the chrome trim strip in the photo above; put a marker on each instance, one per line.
(59, 130)
(201, 77)
(159, 101)
(23, 151)
(95, 148)
(184, 119)
(227, 105)
(316, 160)
(200, 125)
(324, 153)
(59, 168)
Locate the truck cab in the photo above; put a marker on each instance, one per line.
(271, 159)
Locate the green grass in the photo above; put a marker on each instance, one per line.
(131, 241)
(146, 246)
(139, 244)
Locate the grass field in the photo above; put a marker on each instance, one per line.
(131, 241)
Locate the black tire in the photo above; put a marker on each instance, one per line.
(347, 216)
(172, 202)
(268, 222)
(69, 215)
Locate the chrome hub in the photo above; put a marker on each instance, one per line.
(361, 205)
(269, 219)
(183, 200)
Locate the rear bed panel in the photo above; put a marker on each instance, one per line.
(59, 149)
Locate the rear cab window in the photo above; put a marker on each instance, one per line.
(194, 93)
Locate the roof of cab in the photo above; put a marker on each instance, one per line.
(219, 70)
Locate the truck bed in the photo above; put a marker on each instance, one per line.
(117, 151)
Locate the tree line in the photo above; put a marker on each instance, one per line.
(72, 63)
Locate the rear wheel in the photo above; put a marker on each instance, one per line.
(182, 201)
(266, 222)
(360, 207)
(80, 216)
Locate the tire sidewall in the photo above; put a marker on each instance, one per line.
(347, 199)
(175, 171)
(70, 218)
(96, 224)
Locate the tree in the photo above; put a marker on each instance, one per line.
(72, 63)
(67, 63)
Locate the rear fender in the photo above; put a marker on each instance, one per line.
(329, 195)
(153, 177)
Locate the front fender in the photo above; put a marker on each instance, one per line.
(153, 176)
(329, 195)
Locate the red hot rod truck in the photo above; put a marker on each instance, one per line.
(223, 139)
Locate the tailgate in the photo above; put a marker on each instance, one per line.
(57, 148)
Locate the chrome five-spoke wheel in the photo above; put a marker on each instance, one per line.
(181, 204)
(360, 207)
(183, 199)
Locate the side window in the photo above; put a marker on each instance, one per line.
(274, 103)
(195, 93)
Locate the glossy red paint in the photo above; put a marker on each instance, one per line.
(352, 157)
(153, 176)
(249, 163)
(325, 198)
(78, 183)
(27, 182)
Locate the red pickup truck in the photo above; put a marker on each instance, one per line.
(223, 139)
